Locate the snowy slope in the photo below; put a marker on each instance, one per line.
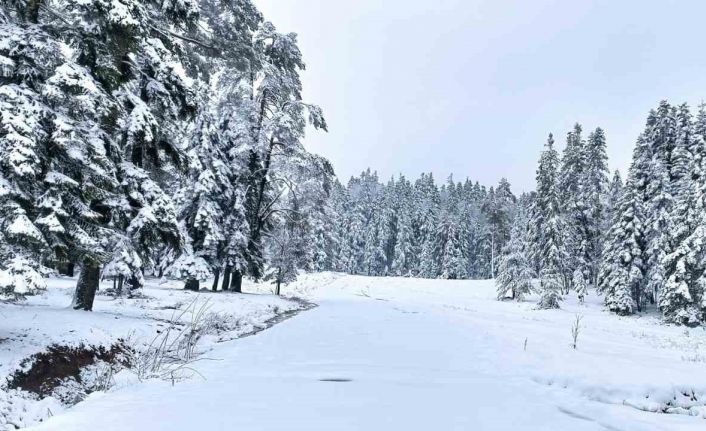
(409, 354)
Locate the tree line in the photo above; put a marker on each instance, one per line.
(640, 244)
(453, 231)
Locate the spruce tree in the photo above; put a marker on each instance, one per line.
(573, 206)
(514, 279)
(622, 272)
(660, 136)
(612, 201)
(404, 259)
(548, 218)
(680, 300)
(499, 209)
(594, 190)
(427, 222)
(580, 284)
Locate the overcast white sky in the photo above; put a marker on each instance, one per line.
(473, 87)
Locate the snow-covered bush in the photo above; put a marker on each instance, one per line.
(514, 279)
(20, 277)
(125, 265)
(580, 285)
(190, 268)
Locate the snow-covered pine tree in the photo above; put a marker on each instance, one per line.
(404, 258)
(573, 206)
(580, 284)
(660, 135)
(621, 276)
(145, 98)
(698, 149)
(451, 235)
(374, 252)
(352, 231)
(428, 213)
(230, 30)
(593, 192)
(27, 55)
(206, 198)
(61, 175)
(622, 273)
(324, 240)
(310, 179)
(612, 201)
(548, 218)
(278, 118)
(680, 299)
(480, 237)
(286, 242)
(337, 205)
(125, 264)
(292, 243)
(498, 210)
(514, 279)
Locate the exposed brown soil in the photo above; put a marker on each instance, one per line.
(43, 372)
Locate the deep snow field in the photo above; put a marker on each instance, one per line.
(377, 354)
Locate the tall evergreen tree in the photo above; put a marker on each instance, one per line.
(278, 118)
(499, 211)
(548, 219)
(515, 273)
(573, 207)
(612, 200)
(680, 300)
(622, 271)
(594, 189)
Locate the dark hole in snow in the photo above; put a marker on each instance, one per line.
(336, 380)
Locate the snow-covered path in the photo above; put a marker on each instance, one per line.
(373, 357)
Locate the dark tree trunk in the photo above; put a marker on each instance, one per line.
(192, 284)
(121, 281)
(258, 220)
(134, 282)
(216, 276)
(236, 284)
(32, 10)
(115, 283)
(277, 288)
(65, 268)
(226, 278)
(86, 286)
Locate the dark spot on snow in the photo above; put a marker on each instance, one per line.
(336, 380)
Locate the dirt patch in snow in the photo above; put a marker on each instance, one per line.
(43, 372)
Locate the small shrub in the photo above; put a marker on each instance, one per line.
(575, 330)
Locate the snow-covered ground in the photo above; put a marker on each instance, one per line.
(29, 327)
(407, 354)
